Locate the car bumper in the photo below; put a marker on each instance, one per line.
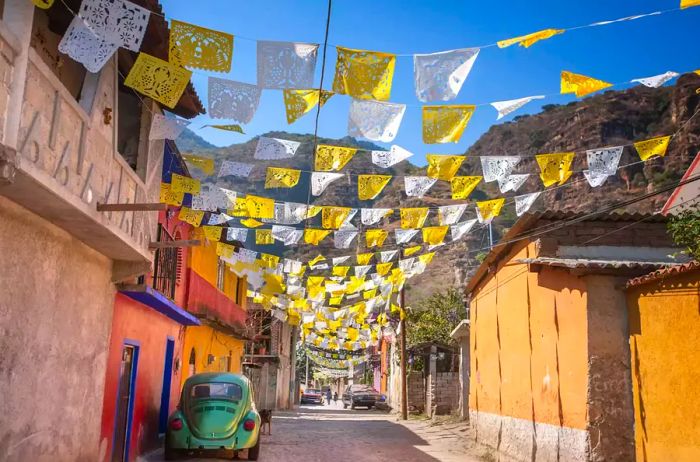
(312, 400)
(363, 402)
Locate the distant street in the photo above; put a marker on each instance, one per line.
(331, 433)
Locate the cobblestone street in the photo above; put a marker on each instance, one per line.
(330, 433)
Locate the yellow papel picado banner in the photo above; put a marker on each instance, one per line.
(445, 123)
(281, 177)
(369, 186)
(364, 74)
(414, 217)
(652, 147)
(332, 158)
(581, 85)
(299, 102)
(490, 209)
(555, 168)
(530, 39)
(462, 186)
(443, 167)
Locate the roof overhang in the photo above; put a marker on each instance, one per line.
(147, 295)
(461, 331)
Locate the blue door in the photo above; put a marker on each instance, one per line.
(167, 380)
(125, 401)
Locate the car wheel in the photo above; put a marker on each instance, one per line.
(369, 408)
(254, 452)
(345, 406)
(352, 406)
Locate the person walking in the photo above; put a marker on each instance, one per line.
(335, 398)
(328, 396)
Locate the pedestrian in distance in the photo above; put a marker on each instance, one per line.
(328, 396)
(335, 397)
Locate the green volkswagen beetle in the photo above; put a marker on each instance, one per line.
(216, 416)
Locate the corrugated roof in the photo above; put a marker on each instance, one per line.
(669, 271)
(588, 263)
(530, 219)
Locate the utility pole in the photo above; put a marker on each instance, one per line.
(490, 236)
(404, 387)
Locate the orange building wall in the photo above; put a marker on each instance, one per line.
(665, 344)
(529, 344)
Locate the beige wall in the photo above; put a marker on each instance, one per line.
(56, 303)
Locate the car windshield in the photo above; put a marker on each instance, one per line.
(217, 390)
(362, 389)
(312, 392)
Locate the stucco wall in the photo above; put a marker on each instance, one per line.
(208, 341)
(138, 323)
(664, 326)
(56, 303)
(529, 361)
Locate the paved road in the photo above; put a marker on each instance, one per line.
(332, 434)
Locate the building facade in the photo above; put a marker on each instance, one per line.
(69, 139)
(549, 341)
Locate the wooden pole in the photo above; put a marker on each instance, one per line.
(170, 244)
(404, 386)
(135, 207)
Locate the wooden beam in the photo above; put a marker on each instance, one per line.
(135, 207)
(169, 244)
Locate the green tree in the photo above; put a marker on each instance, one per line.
(434, 318)
(684, 229)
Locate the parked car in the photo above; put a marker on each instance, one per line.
(216, 416)
(360, 395)
(311, 396)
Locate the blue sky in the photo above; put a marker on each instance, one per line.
(615, 53)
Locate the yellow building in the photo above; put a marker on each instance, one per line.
(664, 312)
(218, 297)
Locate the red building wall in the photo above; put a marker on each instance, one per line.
(150, 329)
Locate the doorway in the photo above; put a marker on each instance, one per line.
(125, 402)
(167, 381)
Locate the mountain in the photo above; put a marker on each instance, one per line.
(611, 118)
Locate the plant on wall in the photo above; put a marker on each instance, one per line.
(684, 229)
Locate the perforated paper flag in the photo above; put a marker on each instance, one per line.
(462, 186)
(290, 213)
(414, 217)
(205, 164)
(343, 238)
(417, 186)
(334, 217)
(434, 235)
(274, 148)
(195, 46)
(264, 237)
(212, 198)
(555, 168)
(299, 102)
(595, 179)
(403, 236)
(315, 236)
(237, 234)
(460, 229)
(506, 107)
(43, 4)
(179, 183)
(85, 46)
(168, 128)
(387, 256)
(235, 169)
(689, 3)
(440, 76)
(116, 21)
(369, 186)
(218, 219)
(407, 252)
(524, 202)
(286, 64)
(445, 124)
(604, 161)
(340, 260)
(488, 210)
(657, 80)
(158, 79)
(375, 237)
(386, 159)
(530, 39)
(226, 127)
(362, 270)
(193, 217)
(170, 197)
(495, 167)
(373, 216)
(332, 158)
(286, 234)
(364, 74)
(260, 207)
(581, 85)
(363, 258)
(321, 180)
(443, 167)
(281, 177)
(251, 223)
(375, 120)
(450, 214)
(229, 99)
(652, 147)
(512, 182)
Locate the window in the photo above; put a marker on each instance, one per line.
(129, 126)
(166, 266)
(217, 390)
